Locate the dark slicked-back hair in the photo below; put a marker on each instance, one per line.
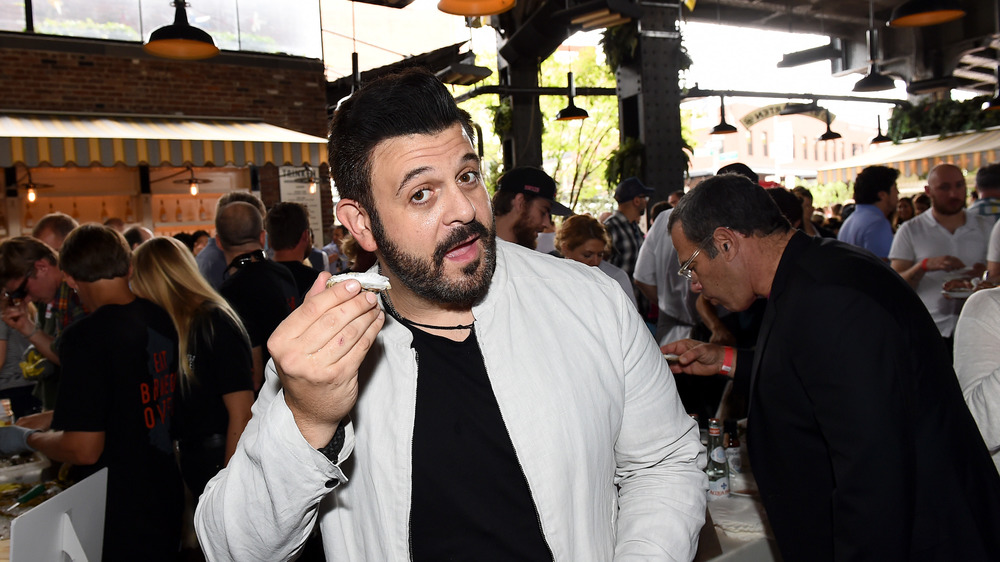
(93, 252)
(285, 223)
(988, 177)
(788, 202)
(873, 180)
(411, 102)
(731, 201)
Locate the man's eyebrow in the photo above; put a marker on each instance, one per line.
(468, 157)
(410, 175)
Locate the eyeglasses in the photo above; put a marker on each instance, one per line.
(685, 270)
(20, 292)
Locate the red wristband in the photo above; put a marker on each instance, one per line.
(923, 264)
(727, 360)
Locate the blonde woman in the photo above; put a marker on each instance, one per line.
(216, 363)
(584, 239)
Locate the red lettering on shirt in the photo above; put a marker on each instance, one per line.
(160, 361)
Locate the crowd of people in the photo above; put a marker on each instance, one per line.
(505, 401)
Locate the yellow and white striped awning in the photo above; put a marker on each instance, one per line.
(917, 157)
(57, 140)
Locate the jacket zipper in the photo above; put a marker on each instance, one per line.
(538, 516)
(409, 515)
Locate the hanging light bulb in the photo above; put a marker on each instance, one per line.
(312, 185)
(32, 195)
(193, 186)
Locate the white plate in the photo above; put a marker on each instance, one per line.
(958, 293)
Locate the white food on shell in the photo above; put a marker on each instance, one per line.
(370, 281)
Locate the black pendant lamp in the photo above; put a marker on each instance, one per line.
(828, 135)
(875, 81)
(180, 40)
(880, 138)
(571, 112)
(920, 13)
(722, 128)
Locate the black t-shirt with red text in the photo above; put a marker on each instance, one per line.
(120, 377)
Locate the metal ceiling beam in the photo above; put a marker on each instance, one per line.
(700, 93)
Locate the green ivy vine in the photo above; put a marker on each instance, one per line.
(627, 160)
(941, 118)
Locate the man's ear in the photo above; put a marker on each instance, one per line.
(358, 223)
(518, 204)
(727, 242)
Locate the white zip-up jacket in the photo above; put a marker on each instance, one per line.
(613, 463)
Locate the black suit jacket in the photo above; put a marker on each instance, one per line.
(859, 438)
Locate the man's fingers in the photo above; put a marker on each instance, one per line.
(350, 342)
(318, 305)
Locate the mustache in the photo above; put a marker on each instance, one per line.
(458, 236)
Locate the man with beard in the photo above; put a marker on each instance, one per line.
(523, 205)
(623, 228)
(945, 243)
(471, 423)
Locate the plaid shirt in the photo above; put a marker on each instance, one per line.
(62, 311)
(987, 207)
(626, 239)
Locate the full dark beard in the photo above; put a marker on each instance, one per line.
(426, 278)
(525, 234)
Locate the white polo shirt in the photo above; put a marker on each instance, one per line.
(657, 265)
(922, 237)
(993, 253)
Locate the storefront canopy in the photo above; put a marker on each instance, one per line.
(58, 140)
(917, 157)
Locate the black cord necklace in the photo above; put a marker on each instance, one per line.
(395, 314)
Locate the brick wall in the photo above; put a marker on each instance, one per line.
(54, 74)
(81, 76)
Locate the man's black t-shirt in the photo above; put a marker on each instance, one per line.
(304, 275)
(470, 498)
(263, 294)
(120, 377)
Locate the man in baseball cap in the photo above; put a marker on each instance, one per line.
(523, 205)
(623, 225)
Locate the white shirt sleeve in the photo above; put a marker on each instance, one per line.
(977, 363)
(993, 253)
(264, 504)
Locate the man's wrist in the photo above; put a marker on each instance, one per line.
(728, 358)
(336, 444)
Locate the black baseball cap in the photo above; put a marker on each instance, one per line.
(533, 181)
(630, 188)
